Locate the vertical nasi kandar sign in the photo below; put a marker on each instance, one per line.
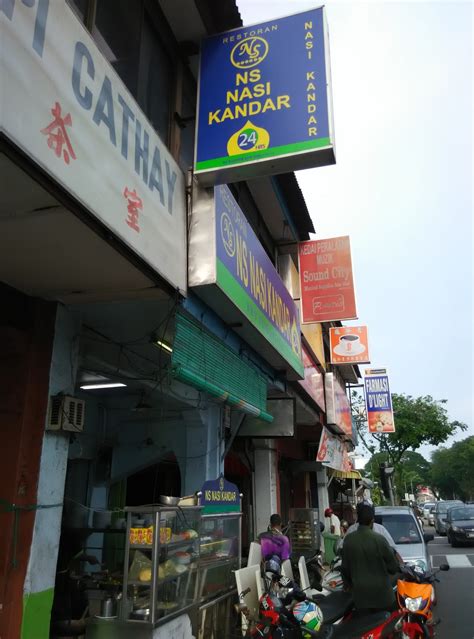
(246, 275)
(264, 100)
(326, 280)
(378, 401)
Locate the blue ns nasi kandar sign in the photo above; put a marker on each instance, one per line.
(220, 495)
(264, 100)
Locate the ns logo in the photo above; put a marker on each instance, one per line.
(249, 52)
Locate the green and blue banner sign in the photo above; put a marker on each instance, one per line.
(264, 100)
(219, 496)
(246, 275)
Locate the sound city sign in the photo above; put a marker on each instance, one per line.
(264, 100)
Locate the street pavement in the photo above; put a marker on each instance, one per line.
(455, 592)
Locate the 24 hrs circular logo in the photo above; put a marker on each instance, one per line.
(249, 52)
(228, 234)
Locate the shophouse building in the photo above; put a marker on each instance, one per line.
(97, 113)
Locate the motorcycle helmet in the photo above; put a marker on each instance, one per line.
(273, 566)
(309, 615)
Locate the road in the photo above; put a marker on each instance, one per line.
(456, 589)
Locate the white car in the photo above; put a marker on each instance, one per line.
(431, 516)
(426, 510)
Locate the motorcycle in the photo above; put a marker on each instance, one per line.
(286, 612)
(332, 580)
(315, 570)
(415, 596)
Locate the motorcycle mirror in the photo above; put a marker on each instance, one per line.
(444, 567)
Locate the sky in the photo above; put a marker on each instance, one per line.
(402, 82)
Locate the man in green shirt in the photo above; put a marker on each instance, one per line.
(368, 564)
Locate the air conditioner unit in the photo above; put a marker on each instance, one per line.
(66, 413)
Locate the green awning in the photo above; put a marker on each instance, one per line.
(203, 361)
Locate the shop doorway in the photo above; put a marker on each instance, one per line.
(146, 486)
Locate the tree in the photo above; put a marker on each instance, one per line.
(412, 470)
(452, 470)
(418, 421)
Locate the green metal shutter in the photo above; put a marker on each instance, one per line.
(203, 361)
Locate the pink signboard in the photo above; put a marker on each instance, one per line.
(313, 382)
(338, 409)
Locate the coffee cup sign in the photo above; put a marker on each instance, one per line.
(349, 345)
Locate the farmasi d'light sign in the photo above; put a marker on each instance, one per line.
(264, 100)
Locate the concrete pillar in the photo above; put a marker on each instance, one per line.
(265, 484)
(204, 449)
(323, 496)
(40, 578)
(26, 333)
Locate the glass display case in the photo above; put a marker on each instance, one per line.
(305, 535)
(220, 552)
(161, 562)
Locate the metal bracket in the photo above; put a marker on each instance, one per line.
(233, 434)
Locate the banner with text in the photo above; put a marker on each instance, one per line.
(219, 496)
(338, 409)
(326, 281)
(66, 108)
(264, 100)
(313, 381)
(332, 452)
(378, 401)
(246, 274)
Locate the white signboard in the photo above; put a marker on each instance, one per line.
(64, 105)
(332, 452)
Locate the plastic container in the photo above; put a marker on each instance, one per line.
(329, 543)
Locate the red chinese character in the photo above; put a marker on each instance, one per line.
(57, 134)
(135, 204)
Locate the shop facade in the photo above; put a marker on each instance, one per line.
(130, 371)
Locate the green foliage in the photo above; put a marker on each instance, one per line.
(412, 469)
(453, 470)
(418, 421)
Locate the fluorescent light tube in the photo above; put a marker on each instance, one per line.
(163, 345)
(98, 386)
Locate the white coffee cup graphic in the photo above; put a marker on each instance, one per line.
(349, 343)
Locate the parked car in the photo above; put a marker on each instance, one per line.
(460, 525)
(441, 510)
(431, 516)
(403, 525)
(426, 509)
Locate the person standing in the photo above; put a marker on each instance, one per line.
(368, 565)
(378, 528)
(332, 522)
(273, 541)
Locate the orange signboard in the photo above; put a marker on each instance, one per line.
(326, 283)
(349, 345)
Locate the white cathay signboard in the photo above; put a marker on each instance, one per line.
(63, 104)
